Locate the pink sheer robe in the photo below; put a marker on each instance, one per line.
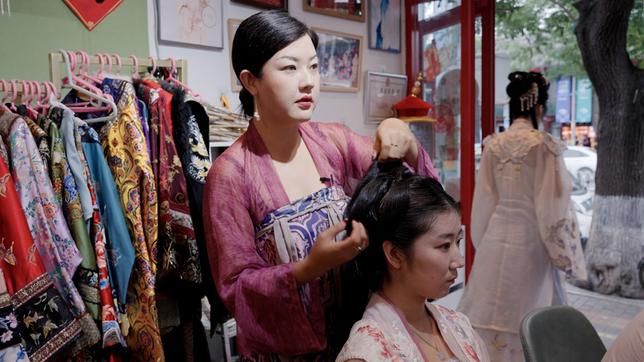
(241, 189)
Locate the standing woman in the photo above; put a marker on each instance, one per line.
(274, 200)
(523, 226)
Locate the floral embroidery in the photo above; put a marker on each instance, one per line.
(129, 161)
(3, 184)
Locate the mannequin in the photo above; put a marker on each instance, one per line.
(523, 227)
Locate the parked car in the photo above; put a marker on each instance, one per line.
(582, 163)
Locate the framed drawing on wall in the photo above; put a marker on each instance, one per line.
(347, 9)
(233, 24)
(197, 23)
(339, 56)
(382, 91)
(384, 25)
(265, 4)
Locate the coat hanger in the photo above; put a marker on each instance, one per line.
(172, 79)
(29, 93)
(87, 89)
(14, 90)
(5, 95)
(135, 67)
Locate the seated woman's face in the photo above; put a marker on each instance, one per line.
(432, 264)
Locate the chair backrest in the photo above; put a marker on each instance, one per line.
(558, 334)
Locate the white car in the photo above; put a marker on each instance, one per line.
(582, 163)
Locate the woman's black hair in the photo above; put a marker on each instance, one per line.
(519, 89)
(258, 38)
(394, 205)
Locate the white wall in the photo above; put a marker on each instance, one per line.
(209, 69)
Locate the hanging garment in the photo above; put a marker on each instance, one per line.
(179, 277)
(41, 138)
(46, 221)
(383, 335)
(67, 194)
(144, 116)
(522, 228)
(129, 161)
(11, 348)
(118, 244)
(187, 116)
(179, 255)
(242, 189)
(38, 314)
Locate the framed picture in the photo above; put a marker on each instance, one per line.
(233, 24)
(340, 56)
(347, 9)
(382, 91)
(198, 23)
(384, 25)
(265, 4)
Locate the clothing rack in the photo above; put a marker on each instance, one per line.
(57, 65)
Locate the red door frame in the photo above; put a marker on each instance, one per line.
(464, 14)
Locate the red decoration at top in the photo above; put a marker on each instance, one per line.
(91, 13)
(412, 108)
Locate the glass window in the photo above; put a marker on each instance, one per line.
(433, 8)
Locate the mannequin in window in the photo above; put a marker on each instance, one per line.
(524, 228)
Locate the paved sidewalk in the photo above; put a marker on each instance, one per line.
(609, 314)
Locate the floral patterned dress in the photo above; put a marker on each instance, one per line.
(382, 335)
(38, 322)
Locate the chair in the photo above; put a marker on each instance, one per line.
(558, 334)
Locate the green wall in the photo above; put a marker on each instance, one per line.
(39, 27)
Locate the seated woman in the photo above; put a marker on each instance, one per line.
(414, 229)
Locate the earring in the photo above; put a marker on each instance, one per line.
(256, 113)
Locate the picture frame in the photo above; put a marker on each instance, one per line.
(195, 23)
(233, 24)
(340, 59)
(265, 4)
(382, 91)
(385, 25)
(347, 9)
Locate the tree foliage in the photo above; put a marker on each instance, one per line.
(540, 33)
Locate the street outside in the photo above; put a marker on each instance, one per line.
(609, 314)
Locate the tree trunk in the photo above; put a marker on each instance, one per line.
(616, 246)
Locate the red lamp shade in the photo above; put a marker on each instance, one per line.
(412, 108)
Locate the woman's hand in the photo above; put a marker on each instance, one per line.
(327, 253)
(394, 141)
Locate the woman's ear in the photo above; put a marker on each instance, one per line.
(249, 81)
(395, 257)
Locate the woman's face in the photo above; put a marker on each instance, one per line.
(290, 83)
(431, 265)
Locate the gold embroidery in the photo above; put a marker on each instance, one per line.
(4, 180)
(7, 254)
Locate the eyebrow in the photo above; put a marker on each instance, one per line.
(294, 58)
(449, 235)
